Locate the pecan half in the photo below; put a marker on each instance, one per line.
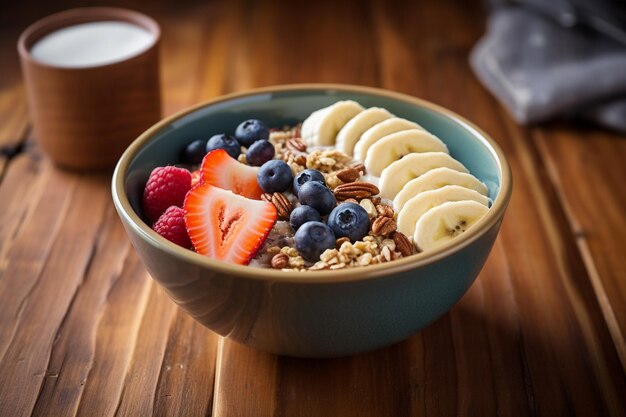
(282, 204)
(296, 144)
(280, 261)
(348, 174)
(357, 190)
(266, 197)
(382, 226)
(384, 210)
(403, 244)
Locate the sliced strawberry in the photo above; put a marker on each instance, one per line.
(226, 226)
(222, 171)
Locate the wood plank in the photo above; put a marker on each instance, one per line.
(187, 371)
(138, 395)
(115, 341)
(73, 355)
(58, 273)
(245, 381)
(587, 171)
(23, 261)
(20, 191)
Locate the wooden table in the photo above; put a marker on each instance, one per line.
(85, 331)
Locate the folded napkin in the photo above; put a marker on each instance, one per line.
(541, 70)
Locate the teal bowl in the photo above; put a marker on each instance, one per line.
(321, 313)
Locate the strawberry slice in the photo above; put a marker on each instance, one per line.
(226, 226)
(220, 170)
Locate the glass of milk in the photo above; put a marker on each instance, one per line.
(92, 80)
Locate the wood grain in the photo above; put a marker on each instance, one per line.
(587, 169)
(84, 331)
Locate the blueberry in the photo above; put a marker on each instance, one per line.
(274, 176)
(312, 239)
(318, 196)
(349, 220)
(303, 214)
(226, 142)
(306, 176)
(194, 152)
(259, 153)
(250, 131)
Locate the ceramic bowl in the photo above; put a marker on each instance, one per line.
(322, 313)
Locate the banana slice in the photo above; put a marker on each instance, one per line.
(437, 178)
(393, 147)
(322, 129)
(417, 206)
(308, 126)
(443, 223)
(400, 172)
(352, 131)
(378, 131)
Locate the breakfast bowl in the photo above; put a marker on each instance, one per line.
(312, 313)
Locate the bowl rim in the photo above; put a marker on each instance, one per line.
(415, 261)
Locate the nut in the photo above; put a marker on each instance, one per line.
(364, 259)
(280, 261)
(384, 210)
(386, 253)
(403, 244)
(350, 200)
(318, 266)
(376, 200)
(382, 226)
(282, 204)
(266, 197)
(359, 167)
(389, 243)
(348, 175)
(295, 145)
(369, 207)
(340, 241)
(357, 190)
(300, 160)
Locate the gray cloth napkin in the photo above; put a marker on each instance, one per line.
(541, 70)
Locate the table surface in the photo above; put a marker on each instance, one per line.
(85, 331)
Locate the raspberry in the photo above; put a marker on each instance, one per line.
(171, 225)
(167, 186)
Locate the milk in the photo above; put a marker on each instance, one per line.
(91, 44)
